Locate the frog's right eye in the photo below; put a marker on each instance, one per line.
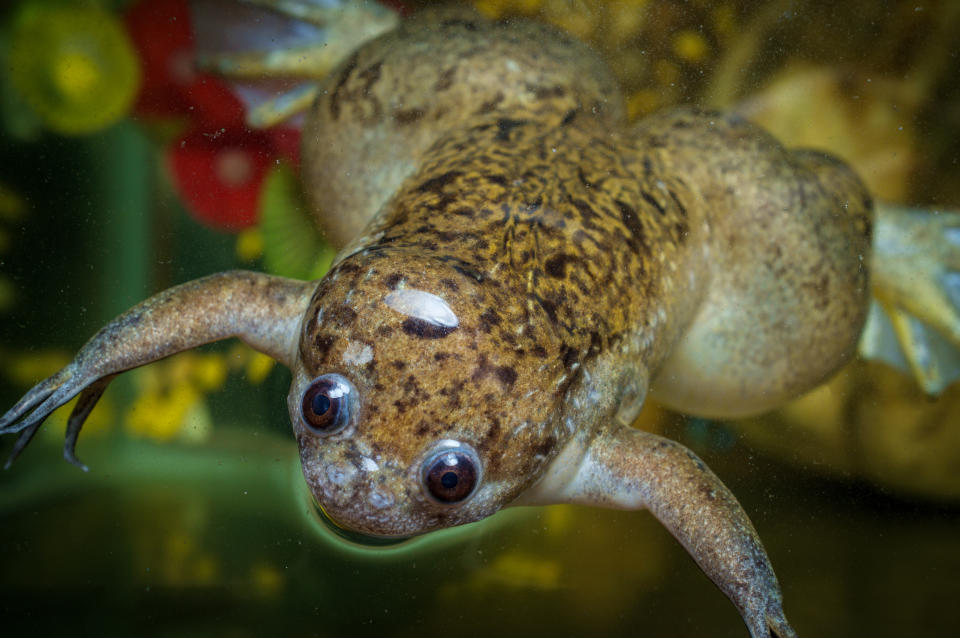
(326, 404)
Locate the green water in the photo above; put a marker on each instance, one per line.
(221, 540)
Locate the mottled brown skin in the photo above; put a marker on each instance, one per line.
(583, 262)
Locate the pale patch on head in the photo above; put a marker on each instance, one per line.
(341, 473)
(357, 353)
(380, 498)
(422, 305)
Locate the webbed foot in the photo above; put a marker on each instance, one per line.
(914, 323)
(295, 40)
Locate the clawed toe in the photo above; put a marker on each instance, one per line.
(914, 323)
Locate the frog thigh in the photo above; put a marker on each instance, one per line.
(789, 290)
(626, 468)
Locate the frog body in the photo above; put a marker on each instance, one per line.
(519, 269)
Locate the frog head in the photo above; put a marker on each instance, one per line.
(417, 399)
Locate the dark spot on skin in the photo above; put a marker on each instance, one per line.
(342, 316)
(488, 319)
(436, 184)
(492, 432)
(463, 211)
(496, 179)
(647, 167)
(371, 75)
(466, 24)
(393, 281)
(505, 126)
(632, 221)
(347, 268)
(490, 104)
(650, 199)
(556, 266)
(441, 356)
(545, 447)
(676, 200)
(398, 364)
(546, 92)
(341, 81)
(384, 330)
(425, 329)
(422, 429)
(450, 284)
(445, 81)
(408, 116)
(453, 392)
(569, 117)
(506, 375)
(322, 346)
(539, 351)
(583, 178)
(696, 461)
(466, 271)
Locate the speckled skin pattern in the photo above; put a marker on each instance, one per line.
(570, 264)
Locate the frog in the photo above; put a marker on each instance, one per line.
(519, 269)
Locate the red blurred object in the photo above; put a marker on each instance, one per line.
(219, 174)
(172, 86)
(218, 164)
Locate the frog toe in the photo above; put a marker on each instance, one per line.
(914, 323)
(32, 410)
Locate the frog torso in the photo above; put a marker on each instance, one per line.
(534, 253)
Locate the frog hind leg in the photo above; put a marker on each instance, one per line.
(262, 310)
(914, 322)
(626, 468)
(296, 44)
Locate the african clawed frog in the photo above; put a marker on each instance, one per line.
(520, 268)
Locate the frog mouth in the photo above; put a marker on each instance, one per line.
(353, 536)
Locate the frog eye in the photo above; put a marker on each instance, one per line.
(450, 476)
(325, 407)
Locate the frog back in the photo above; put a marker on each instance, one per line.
(387, 104)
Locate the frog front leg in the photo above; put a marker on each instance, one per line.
(625, 468)
(262, 310)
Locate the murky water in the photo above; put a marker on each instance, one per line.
(194, 518)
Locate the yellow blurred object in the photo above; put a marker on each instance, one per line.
(161, 416)
(25, 369)
(259, 366)
(642, 103)
(869, 122)
(74, 64)
(690, 46)
(12, 206)
(249, 245)
(268, 580)
(869, 422)
(209, 371)
(170, 403)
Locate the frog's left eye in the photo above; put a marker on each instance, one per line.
(325, 406)
(450, 475)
